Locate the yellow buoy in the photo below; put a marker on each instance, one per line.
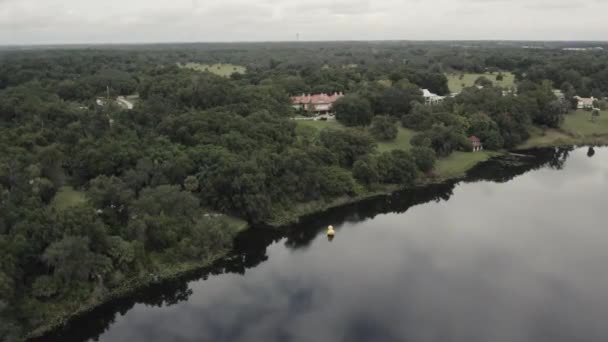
(330, 231)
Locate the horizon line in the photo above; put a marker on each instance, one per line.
(303, 41)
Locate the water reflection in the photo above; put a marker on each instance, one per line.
(522, 261)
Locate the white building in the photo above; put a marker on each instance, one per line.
(585, 102)
(430, 98)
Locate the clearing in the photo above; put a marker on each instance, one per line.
(67, 197)
(402, 142)
(224, 70)
(456, 82)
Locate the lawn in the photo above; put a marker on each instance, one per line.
(544, 138)
(459, 162)
(401, 142)
(456, 84)
(577, 129)
(579, 123)
(67, 197)
(224, 70)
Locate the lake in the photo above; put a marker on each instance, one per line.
(516, 252)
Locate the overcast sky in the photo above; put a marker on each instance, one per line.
(122, 21)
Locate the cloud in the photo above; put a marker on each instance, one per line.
(87, 21)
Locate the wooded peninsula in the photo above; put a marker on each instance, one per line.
(125, 165)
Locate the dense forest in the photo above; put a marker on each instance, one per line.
(93, 194)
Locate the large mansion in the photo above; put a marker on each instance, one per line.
(317, 103)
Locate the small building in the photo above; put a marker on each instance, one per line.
(431, 98)
(476, 143)
(585, 102)
(509, 92)
(317, 103)
(559, 94)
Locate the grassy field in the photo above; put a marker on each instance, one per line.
(67, 197)
(577, 129)
(224, 70)
(579, 124)
(456, 84)
(459, 162)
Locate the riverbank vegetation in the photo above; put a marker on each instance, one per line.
(95, 196)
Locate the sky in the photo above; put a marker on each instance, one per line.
(24, 22)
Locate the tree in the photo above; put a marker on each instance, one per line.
(168, 200)
(483, 81)
(348, 145)
(424, 157)
(595, 113)
(443, 140)
(336, 181)
(70, 258)
(383, 128)
(113, 197)
(352, 110)
(365, 170)
(398, 100)
(483, 127)
(419, 119)
(397, 167)
(191, 184)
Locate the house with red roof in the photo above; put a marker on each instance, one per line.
(316, 103)
(476, 143)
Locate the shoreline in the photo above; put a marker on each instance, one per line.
(174, 272)
(128, 288)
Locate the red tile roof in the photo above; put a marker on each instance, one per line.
(474, 140)
(316, 98)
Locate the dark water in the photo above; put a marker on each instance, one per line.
(517, 252)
